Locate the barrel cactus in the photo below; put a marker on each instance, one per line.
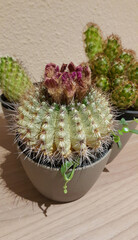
(65, 119)
(13, 79)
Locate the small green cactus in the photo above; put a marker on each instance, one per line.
(14, 81)
(133, 72)
(100, 64)
(93, 40)
(118, 81)
(136, 103)
(103, 83)
(118, 68)
(113, 68)
(127, 56)
(112, 47)
(124, 96)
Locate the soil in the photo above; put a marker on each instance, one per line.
(58, 164)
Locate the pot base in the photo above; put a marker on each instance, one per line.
(49, 182)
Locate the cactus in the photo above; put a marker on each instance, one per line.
(64, 124)
(69, 81)
(103, 83)
(118, 81)
(14, 80)
(127, 56)
(112, 47)
(133, 72)
(100, 64)
(118, 68)
(64, 130)
(136, 103)
(93, 40)
(124, 96)
(113, 68)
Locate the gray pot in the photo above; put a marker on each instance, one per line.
(8, 110)
(124, 139)
(50, 182)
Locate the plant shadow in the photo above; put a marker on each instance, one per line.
(13, 176)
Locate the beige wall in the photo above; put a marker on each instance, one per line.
(41, 31)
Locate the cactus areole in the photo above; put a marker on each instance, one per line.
(65, 120)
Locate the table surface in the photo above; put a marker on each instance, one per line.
(109, 211)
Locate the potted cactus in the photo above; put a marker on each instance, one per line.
(115, 71)
(64, 132)
(13, 83)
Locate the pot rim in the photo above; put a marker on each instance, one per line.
(5, 103)
(58, 169)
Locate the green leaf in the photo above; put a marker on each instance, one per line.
(119, 144)
(116, 138)
(123, 122)
(120, 132)
(65, 167)
(133, 131)
(125, 129)
(68, 175)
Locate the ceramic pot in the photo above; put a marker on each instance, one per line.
(128, 115)
(49, 181)
(8, 109)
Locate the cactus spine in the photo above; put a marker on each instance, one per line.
(14, 81)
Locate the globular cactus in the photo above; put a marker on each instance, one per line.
(118, 68)
(14, 81)
(113, 68)
(127, 56)
(124, 96)
(93, 40)
(100, 64)
(64, 130)
(117, 81)
(60, 127)
(112, 47)
(133, 72)
(102, 82)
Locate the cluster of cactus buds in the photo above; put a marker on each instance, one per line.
(13, 79)
(114, 69)
(68, 82)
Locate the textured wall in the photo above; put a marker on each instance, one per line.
(41, 31)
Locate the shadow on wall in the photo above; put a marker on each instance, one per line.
(13, 176)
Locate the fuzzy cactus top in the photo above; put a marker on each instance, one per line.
(68, 82)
